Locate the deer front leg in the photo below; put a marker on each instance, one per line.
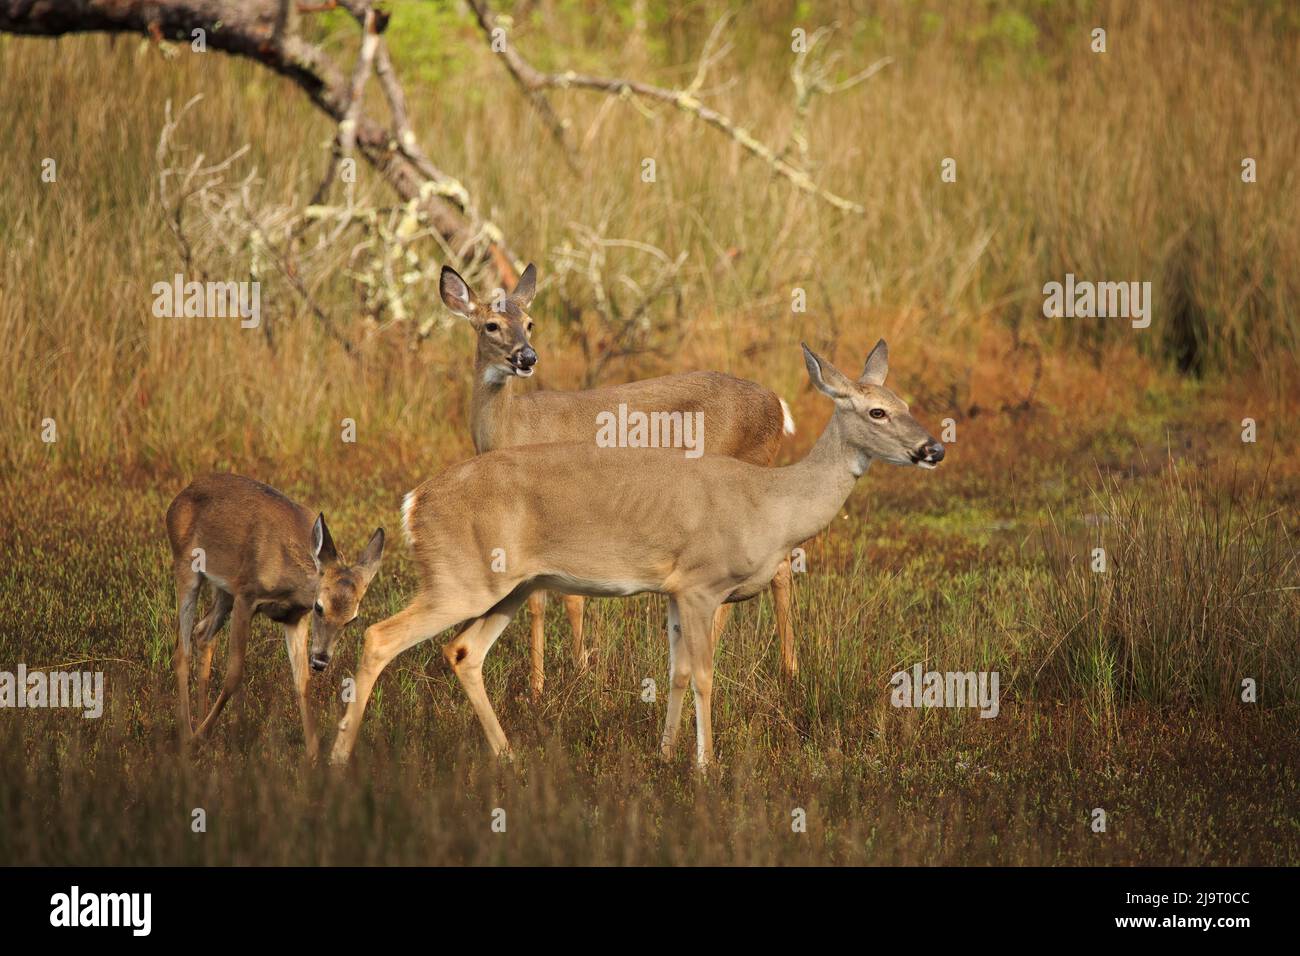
(414, 623)
(782, 589)
(679, 676)
(296, 638)
(240, 624)
(697, 614)
(537, 644)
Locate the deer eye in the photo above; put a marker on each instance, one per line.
(318, 609)
(492, 327)
(530, 328)
(877, 413)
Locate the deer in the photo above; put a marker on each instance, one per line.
(584, 519)
(262, 553)
(744, 421)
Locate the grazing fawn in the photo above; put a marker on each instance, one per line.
(743, 420)
(608, 521)
(262, 554)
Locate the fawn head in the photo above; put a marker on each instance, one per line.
(877, 423)
(340, 590)
(503, 325)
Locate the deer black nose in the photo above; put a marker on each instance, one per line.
(319, 662)
(932, 452)
(526, 358)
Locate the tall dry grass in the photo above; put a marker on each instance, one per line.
(1123, 165)
(1117, 166)
(1185, 590)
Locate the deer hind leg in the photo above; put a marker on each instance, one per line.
(573, 605)
(697, 612)
(720, 618)
(205, 639)
(241, 622)
(466, 653)
(782, 588)
(537, 643)
(679, 676)
(416, 622)
(296, 637)
(188, 583)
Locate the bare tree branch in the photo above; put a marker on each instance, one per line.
(261, 30)
(812, 77)
(533, 80)
(498, 42)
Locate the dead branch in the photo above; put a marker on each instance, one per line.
(534, 81)
(811, 77)
(621, 304)
(260, 30)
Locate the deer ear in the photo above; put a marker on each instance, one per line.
(877, 367)
(526, 287)
(368, 563)
(456, 293)
(322, 544)
(826, 377)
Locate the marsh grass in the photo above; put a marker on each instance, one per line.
(1186, 772)
(1123, 165)
(1119, 691)
(1200, 592)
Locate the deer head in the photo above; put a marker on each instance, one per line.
(340, 591)
(875, 422)
(503, 325)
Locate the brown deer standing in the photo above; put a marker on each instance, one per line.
(263, 554)
(743, 420)
(583, 519)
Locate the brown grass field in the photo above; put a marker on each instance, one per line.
(1120, 691)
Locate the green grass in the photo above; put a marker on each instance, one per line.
(1118, 691)
(1133, 713)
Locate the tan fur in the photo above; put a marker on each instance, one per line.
(262, 555)
(604, 521)
(742, 420)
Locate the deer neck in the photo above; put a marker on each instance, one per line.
(813, 491)
(489, 407)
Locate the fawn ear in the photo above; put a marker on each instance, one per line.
(826, 377)
(456, 293)
(877, 367)
(526, 287)
(368, 563)
(322, 544)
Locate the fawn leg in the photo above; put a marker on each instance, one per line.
(296, 637)
(240, 624)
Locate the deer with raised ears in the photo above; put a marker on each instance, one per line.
(263, 554)
(604, 521)
(742, 420)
